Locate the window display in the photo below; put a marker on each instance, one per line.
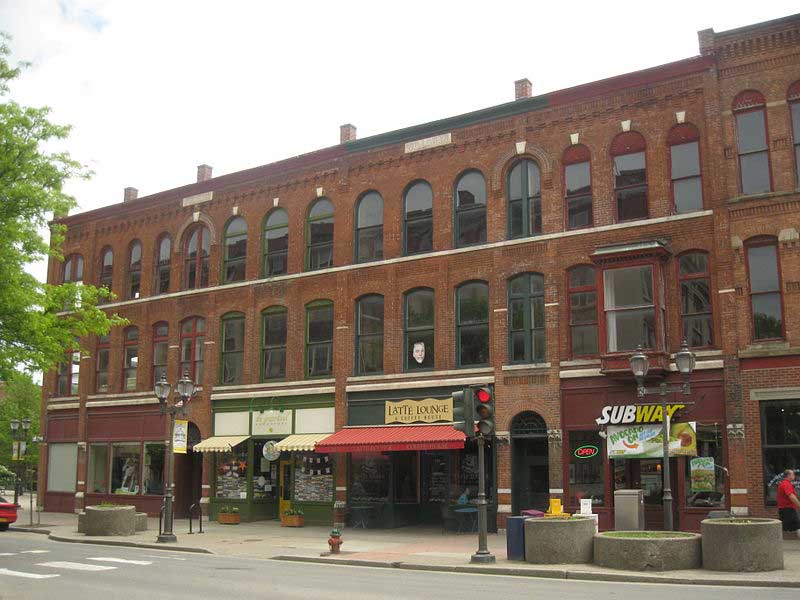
(586, 467)
(232, 474)
(370, 475)
(125, 468)
(313, 479)
(153, 475)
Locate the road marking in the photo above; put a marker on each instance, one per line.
(11, 573)
(159, 556)
(121, 560)
(34, 551)
(8, 553)
(60, 564)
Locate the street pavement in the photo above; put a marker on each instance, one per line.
(34, 567)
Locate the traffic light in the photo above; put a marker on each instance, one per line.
(483, 403)
(464, 412)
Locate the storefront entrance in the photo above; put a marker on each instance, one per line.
(530, 477)
(645, 474)
(285, 499)
(188, 476)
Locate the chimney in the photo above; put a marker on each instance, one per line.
(705, 39)
(130, 194)
(203, 173)
(522, 89)
(347, 133)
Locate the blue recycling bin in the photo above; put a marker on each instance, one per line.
(515, 538)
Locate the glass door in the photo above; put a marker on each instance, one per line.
(285, 501)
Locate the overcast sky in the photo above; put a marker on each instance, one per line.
(153, 89)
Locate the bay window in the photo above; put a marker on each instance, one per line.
(630, 308)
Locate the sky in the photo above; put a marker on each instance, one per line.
(153, 89)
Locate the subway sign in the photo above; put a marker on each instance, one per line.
(624, 414)
(586, 451)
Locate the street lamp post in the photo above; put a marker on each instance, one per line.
(186, 391)
(19, 437)
(684, 360)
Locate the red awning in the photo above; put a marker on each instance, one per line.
(387, 439)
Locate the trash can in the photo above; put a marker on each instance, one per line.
(628, 510)
(515, 538)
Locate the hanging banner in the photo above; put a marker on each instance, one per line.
(645, 441)
(180, 436)
(701, 474)
(15, 454)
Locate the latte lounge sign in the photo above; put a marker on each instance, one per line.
(430, 410)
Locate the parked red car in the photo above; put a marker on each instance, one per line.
(8, 513)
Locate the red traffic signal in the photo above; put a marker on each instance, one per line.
(483, 395)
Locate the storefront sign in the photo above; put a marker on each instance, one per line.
(645, 441)
(622, 414)
(272, 422)
(180, 435)
(586, 451)
(429, 410)
(701, 472)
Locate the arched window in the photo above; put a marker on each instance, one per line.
(578, 186)
(695, 282)
(752, 142)
(163, 260)
(765, 288)
(107, 268)
(418, 218)
(319, 236)
(196, 252)
(234, 248)
(369, 227)
(273, 343)
(130, 365)
(630, 176)
(470, 209)
(134, 279)
(419, 330)
(369, 335)
(583, 311)
(69, 374)
(472, 324)
(101, 365)
(232, 360)
(160, 350)
(73, 269)
(524, 192)
(193, 336)
(793, 98)
(276, 243)
(319, 338)
(684, 160)
(526, 318)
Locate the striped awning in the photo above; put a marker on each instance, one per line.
(301, 442)
(393, 439)
(220, 443)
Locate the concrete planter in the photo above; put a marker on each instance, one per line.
(742, 544)
(112, 520)
(141, 522)
(559, 540)
(664, 551)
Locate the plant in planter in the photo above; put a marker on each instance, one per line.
(228, 515)
(293, 517)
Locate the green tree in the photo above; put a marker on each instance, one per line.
(20, 397)
(38, 322)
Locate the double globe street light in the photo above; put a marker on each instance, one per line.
(19, 446)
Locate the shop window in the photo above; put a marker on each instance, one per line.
(101, 362)
(780, 435)
(705, 478)
(107, 269)
(319, 236)
(97, 476)
(62, 467)
(695, 285)
(369, 335)
(153, 474)
(586, 478)
(276, 244)
(73, 269)
(265, 474)
(125, 468)
(196, 253)
(319, 339)
(794, 109)
(163, 263)
(232, 349)
(160, 350)
(578, 186)
(526, 341)
(130, 364)
(630, 176)
(524, 192)
(313, 478)
(273, 343)
(765, 289)
(418, 218)
(369, 228)
(583, 311)
(193, 332)
(231, 472)
(436, 477)
(684, 153)
(630, 308)
(234, 249)
(370, 477)
(465, 473)
(752, 142)
(419, 332)
(406, 477)
(470, 209)
(472, 324)
(134, 275)
(69, 374)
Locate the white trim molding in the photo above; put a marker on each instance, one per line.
(738, 491)
(371, 387)
(274, 393)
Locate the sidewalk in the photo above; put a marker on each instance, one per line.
(405, 548)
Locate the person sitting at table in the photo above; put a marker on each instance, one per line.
(464, 497)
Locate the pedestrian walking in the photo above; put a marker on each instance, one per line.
(788, 503)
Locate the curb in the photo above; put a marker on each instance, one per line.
(58, 538)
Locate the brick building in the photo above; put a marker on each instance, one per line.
(531, 245)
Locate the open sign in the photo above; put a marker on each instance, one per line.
(586, 451)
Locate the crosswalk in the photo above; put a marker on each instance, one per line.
(49, 569)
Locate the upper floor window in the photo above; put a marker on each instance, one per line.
(524, 199)
(765, 289)
(163, 260)
(630, 308)
(160, 350)
(276, 243)
(101, 365)
(130, 365)
(578, 186)
(470, 209)
(695, 283)
(684, 160)
(369, 227)
(134, 280)
(630, 176)
(419, 331)
(319, 236)
(69, 374)
(193, 336)
(107, 268)
(273, 343)
(198, 247)
(234, 248)
(232, 371)
(418, 218)
(526, 318)
(73, 269)
(319, 338)
(583, 311)
(472, 324)
(369, 335)
(752, 142)
(794, 107)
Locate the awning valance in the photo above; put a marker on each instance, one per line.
(388, 439)
(220, 443)
(301, 442)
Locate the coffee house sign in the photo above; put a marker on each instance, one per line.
(430, 410)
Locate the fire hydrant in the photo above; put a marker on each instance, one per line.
(335, 541)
